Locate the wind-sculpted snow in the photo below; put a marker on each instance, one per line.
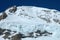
(31, 23)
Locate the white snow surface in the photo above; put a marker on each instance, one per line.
(27, 19)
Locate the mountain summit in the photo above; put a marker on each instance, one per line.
(30, 21)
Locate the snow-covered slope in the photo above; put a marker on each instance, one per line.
(30, 19)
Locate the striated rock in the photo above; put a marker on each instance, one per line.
(14, 8)
(1, 31)
(6, 35)
(3, 16)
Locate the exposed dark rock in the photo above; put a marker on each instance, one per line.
(6, 35)
(55, 11)
(14, 31)
(46, 10)
(46, 33)
(45, 19)
(17, 37)
(56, 20)
(38, 31)
(8, 30)
(30, 34)
(1, 31)
(14, 8)
(3, 16)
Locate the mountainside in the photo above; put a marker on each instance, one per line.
(29, 22)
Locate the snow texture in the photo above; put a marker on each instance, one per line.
(27, 19)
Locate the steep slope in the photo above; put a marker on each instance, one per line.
(36, 22)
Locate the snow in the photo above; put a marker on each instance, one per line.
(1, 39)
(30, 19)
